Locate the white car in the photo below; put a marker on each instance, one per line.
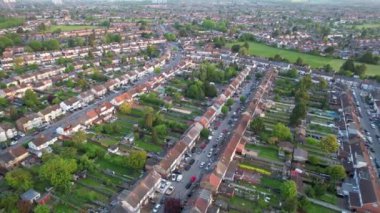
(170, 190)
(209, 154)
(156, 207)
(202, 164)
(174, 177)
(373, 126)
(179, 178)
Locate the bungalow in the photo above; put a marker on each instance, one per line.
(86, 97)
(12, 157)
(30, 121)
(51, 113)
(99, 90)
(30, 196)
(70, 104)
(41, 142)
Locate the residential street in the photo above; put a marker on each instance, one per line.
(219, 136)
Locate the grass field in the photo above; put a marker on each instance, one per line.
(66, 28)
(10, 22)
(262, 50)
(264, 152)
(313, 208)
(363, 26)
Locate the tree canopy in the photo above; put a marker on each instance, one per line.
(282, 132)
(19, 179)
(58, 172)
(329, 144)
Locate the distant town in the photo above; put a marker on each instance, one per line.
(192, 106)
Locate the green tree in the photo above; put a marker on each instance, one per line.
(224, 110)
(235, 48)
(257, 125)
(290, 205)
(243, 99)
(136, 159)
(323, 84)
(149, 117)
(299, 61)
(329, 144)
(125, 108)
(4, 102)
(41, 209)
(161, 130)
(336, 172)
(205, 133)
(58, 172)
(79, 137)
(282, 132)
(288, 189)
(30, 99)
(19, 179)
(229, 102)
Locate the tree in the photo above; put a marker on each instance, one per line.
(4, 102)
(303, 203)
(243, 99)
(8, 201)
(35, 45)
(369, 58)
(257, 125)
(149, 117)
(229, 102)
(329, 144)
(170, 36)
(161, 130)
(210, 90)
(205, 133)
(172, 205)
(125, 108)
(136, 159)
(19, 179)
(323, 84)
(290, 205)
(314, 160)
(58, 172)
(224, 110)
(30, 99)
(348, 66)
(328, 68)
(336, 172)
(41, 209)
(235, 48)
(79, 137)
(243, 51)
(299, 61)
(288, 189)
(282, 132)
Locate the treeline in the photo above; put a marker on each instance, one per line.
(203, 81)
(301, 101)
(9, 40)
(52, 44)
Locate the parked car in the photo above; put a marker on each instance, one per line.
(179, 178)
(174, 177)
(188, 185)
(202, 164)
(170, 190)
(156, 207)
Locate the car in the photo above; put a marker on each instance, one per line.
(190, 194)
(193, 179)
(179, 178)
(188, 185)
(187, 167)
(202, 164)
(163, 184)
(214, 145)
(156, 208)
(191, 161)
(170, 190)
(13, 142)
(373, 126)
(377, 136)
(174, 177)
(209, 154)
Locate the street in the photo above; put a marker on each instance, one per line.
(219, 136)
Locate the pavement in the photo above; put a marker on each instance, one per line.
(219, 136)
(68, 117)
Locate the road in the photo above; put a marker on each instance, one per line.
(219, 137)
(69, 117)
(366, 124)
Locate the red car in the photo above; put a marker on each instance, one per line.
(193, 179)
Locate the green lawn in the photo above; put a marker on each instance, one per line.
(147, 145)
(329, 198)
(243, 204)
(62, 208)
(370, 25)
(314, 208)
(264, 152)
(10, 22)
(270, 182)
(314, 61)
(66, 28)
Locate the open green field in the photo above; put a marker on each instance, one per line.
(10, 22)
(363, 26)
(262, 50)
(314, 208)
(270, 153)
(66, 28)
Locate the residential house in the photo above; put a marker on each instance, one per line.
(70, 104)
(99, 90)
(12, 157)
(105, 111)
(50, 113)
(9, 130)
(42, 142)
(30, 121)
(86, 97)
